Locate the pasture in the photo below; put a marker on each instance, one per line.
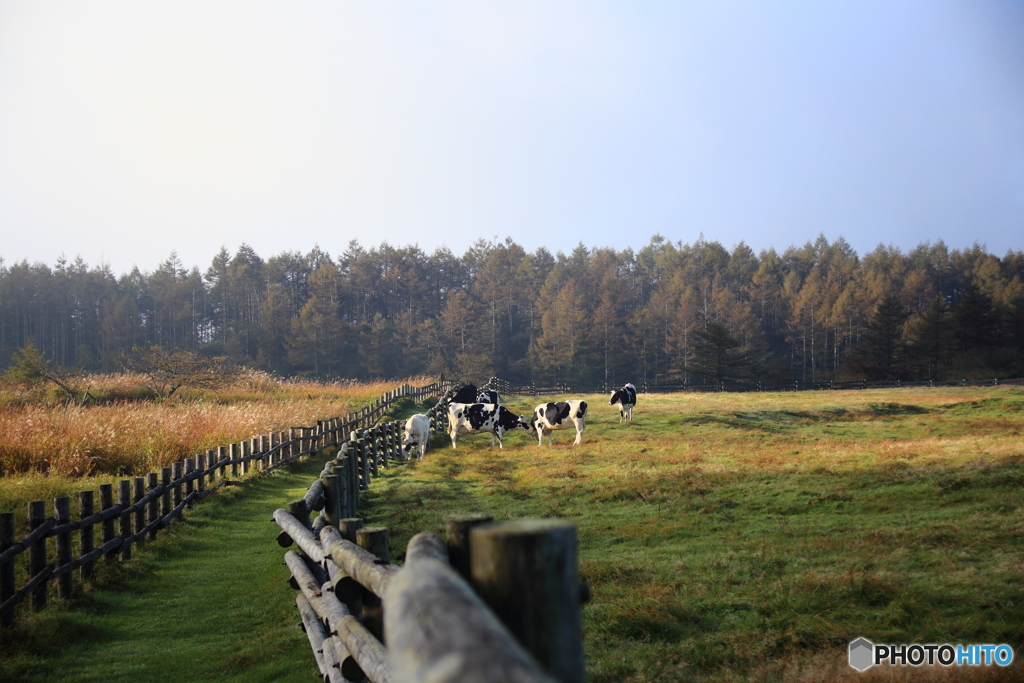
(745, 537)
(725, 537)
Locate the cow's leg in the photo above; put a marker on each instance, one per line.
(579, 435)
(540, 437)
(452, 434)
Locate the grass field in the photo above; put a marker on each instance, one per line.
(725, 537)
(753, 536)
(50, 449)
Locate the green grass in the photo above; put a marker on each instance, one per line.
(752, 537)
(206, 601)
(725, 537)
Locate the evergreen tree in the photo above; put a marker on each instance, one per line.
(976, 321)
(931, 339)
(717, 356)
(881, 355)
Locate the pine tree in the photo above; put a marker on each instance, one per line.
(931, 339)
(881, 355)
(717, 356)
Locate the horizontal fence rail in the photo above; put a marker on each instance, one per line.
(134, 510)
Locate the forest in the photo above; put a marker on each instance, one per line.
(668, 313)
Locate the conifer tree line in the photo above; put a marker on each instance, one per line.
(667, 313)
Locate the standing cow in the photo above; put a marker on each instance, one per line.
(473, 418)
(548, 417)
(626, 399)
(417, 433)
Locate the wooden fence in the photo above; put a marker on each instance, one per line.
(135, 510)
(492, 602)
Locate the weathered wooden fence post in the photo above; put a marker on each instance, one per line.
(124, 497)
(233, 454)
(527, 571)
(176, 473)
(87, 533)
(140, 514)
(245, 456)
(222, 457)
(62, 513)
(107, 502)
(211, 460)
(457, 528)
(201, 479)
(190, 485)
(37, 553)
(153, 511)
(165, 497)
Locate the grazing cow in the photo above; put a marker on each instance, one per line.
(417, 432)
(626, 399)
(472, 418)
(548, 417)
(489, 396)
(466, 394)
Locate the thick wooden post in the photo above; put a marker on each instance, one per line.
(62, 513)
(176, 474)
(6, 569)
(124, 497)
(86, 534)
(233, 454)
(139, 492)
(190, 485)
(527, 571)
(211, 460)
(222, 454)
(37, 553)
(153, 508)
(107, 502)
(245, 456)
(457, 528)
(374, 539)
(201, 479)
(165, 498)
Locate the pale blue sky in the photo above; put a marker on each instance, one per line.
(128, 130)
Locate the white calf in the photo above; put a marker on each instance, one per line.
(417, 431)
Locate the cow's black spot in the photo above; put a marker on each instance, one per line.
(478, 415)
(555, 413)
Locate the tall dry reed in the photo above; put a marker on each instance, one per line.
(133, 437)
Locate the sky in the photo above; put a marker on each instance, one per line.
(130, 130)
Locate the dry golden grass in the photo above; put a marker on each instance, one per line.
(128, 437)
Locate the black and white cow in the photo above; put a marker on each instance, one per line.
(466, 394)
(472, 418)
(548, 417)
(488, 396)
(626, 399)
(417, 433)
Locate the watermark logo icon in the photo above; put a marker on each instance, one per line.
(862, 654)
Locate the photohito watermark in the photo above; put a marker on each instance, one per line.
(864, 654)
